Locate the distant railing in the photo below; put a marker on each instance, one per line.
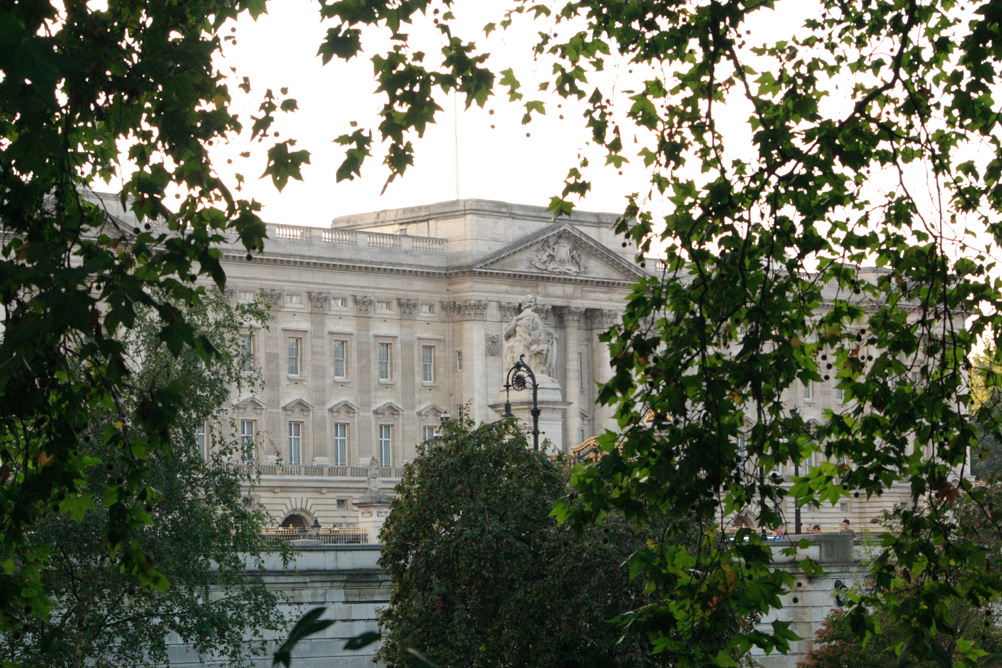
(321, 471)
(428, 244)
(339, 237)
(338, 535)
(291, 232)
(377, 240)
(358, 238)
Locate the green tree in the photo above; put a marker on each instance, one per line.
(484, 576)
(202, 531)
(836, 646)
(126, 93)
(841, 235)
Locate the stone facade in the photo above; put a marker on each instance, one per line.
(386, 322)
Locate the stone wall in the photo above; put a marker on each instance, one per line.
(346, 580)
(350, 584)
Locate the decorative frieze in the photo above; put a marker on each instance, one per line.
(364, 305)
(408, 308)
(471, 309)
(511, 309)
(271, 298)
(320, 302)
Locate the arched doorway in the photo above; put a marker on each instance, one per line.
(295, 521)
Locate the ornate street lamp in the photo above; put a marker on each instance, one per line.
(520, 376)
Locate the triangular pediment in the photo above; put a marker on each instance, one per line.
(300, 406)
(343, 407)
(250, 405)
(561, 252)
(433, 411)
(388, 410)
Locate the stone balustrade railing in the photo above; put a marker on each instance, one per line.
(362, 238)
(318, 470)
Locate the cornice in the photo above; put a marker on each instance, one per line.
(460, 272)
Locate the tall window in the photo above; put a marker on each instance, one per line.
(295, 443)
(201, 442)
(385, 360)
(339, 355)
(247, 350)
(808, 390)
(295, 355)
(385, 444)
(428, 364)
(340, 444)
(427, 432)
(839, 395)
(459, 360)
(247, 441)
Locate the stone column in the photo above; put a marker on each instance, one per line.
(410, 383)
(572, 377)
(364, 306)
(601, 320)
(318, 450)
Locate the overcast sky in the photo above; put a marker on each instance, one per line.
(497, 157)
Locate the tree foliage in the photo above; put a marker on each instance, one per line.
(828, 206)
(836, 646)
(126, 95)
(202, 530)
(483, 575)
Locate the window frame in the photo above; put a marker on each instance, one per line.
(246, 440)
(388, 362)
(428, 364)
(298, 340)
(339, 450)
(385, 444)
(295, 426)
(343, 344)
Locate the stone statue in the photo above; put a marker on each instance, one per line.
(373, 483)
(528, 335)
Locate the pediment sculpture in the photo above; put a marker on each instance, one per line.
(559, 256)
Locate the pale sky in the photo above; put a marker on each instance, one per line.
(500, 163)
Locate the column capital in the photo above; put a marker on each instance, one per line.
(572, 315)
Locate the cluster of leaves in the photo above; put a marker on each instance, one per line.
(837, 646)
(484, 576)
(202, 530)
(842, 236)
(129, 92)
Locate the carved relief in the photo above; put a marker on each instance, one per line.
(559, 255)
(320, 301)
(231, 295)
(471, 309)
(509, 310)
(271, 298)
(364, 305)
(493, 345)
(408, 307)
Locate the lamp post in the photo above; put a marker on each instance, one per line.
(519, 377)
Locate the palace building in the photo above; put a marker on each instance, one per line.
(384, 323)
